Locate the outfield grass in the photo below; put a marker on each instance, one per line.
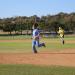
(35, 70)
(52, 44)
(14, 37)
(26, 46)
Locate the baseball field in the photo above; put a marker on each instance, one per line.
(17, 58)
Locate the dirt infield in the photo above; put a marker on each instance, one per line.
(42, 58)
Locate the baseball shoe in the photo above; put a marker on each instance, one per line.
(35, 52)
(43, 45)
(63, 42)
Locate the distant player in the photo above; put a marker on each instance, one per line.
(61, 33)
(36, 38)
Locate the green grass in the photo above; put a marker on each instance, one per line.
(14, 37)
(52, 44)
(35, 70)
(15, 47)
(11, 37)
(27, 46)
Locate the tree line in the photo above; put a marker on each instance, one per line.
(46, 23)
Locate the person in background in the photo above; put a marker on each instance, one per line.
(61, 33)
(36, 38)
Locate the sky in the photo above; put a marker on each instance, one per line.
(11, 8)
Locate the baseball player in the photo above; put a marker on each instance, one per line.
(61, 33)
(36, 37)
